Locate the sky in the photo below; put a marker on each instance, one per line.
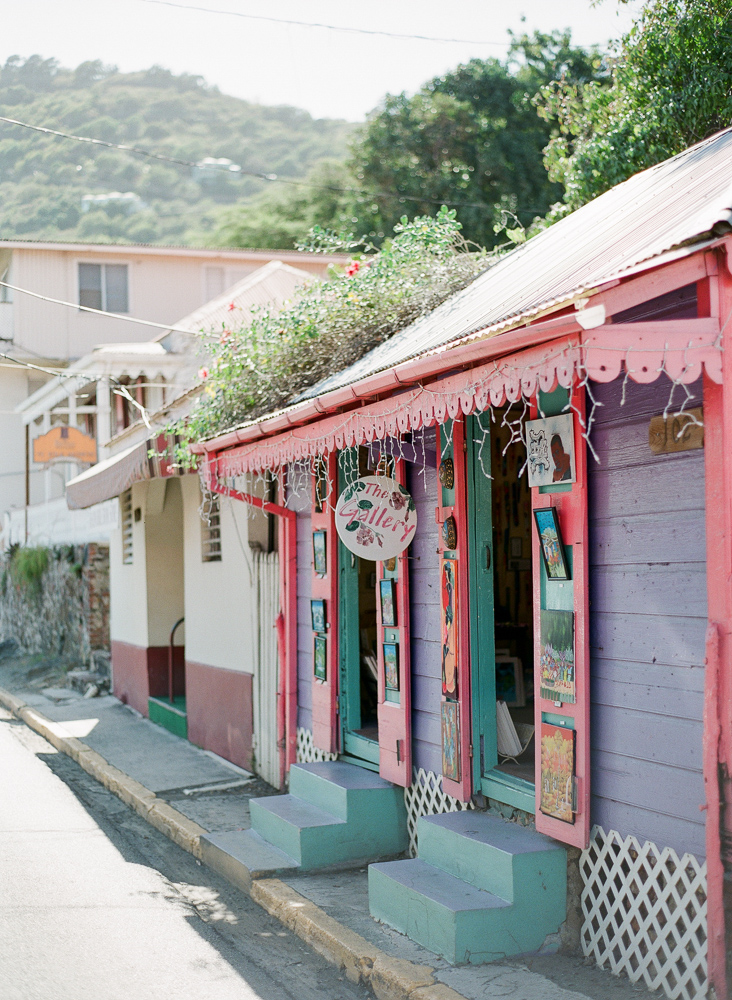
(332, 74)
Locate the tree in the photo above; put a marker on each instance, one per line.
(283, 215)
(471, 139)
(670, 86)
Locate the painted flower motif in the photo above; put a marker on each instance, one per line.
(364, 535)
(397, 501)
(203, 373)
(353, 268)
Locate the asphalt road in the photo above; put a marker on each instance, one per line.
(97, 905)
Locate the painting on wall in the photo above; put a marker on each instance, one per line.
(550, 538)
(320, 563)
(317, 616)
(556, 662)
(448, 590)
(388, 602)
(557, 772)
(391, 665)
(320, 657)
(550, 446)
(451, 740)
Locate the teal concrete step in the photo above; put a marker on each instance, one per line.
(295, 826)
(242, 855)
(335, 814)
(170, 715)
(492, 854)
(480, 889)
(439, 911)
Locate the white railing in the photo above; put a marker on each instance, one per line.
(53, 523)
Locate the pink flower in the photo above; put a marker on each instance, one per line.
(397, 501)
(224, 336)
(203, 373)
(353, 268)
(364, 535)
(231, 307)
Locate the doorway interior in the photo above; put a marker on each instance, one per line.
(501, 607)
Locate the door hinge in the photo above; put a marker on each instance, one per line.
(470, 750)
(398, 751)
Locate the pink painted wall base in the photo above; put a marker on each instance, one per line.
(219, 709)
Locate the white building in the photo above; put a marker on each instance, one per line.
(157, 284)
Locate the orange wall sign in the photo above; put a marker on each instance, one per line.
(66, 443)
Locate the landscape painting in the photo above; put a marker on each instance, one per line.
(556, 659)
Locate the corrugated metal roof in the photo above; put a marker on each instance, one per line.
(670, 204)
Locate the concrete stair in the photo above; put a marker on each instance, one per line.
(335, 815)
(481, 888)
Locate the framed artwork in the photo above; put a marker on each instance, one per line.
(557, 772)
(391, 665)
(320, 563)
(448, 588)
(320, 657)
(510, 681)
(556, 662)
(550, 445)
(317, 615)
(552, 548)
(451, 740)
(387, 595)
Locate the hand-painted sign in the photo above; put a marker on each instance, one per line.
(376, 517)
(66, 443)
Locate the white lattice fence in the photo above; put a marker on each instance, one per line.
(307, 752)
(425, 797)
(645, 913)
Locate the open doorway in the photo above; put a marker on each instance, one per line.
(501, 607)
(357, 624)
(513, 602)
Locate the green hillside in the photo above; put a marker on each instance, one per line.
(44, 179)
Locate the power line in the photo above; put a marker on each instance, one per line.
(239, 171)
(99, 312)
(330, 27)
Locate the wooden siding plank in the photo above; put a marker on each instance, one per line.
(624, 692)
(647, 638)
(640, 736)
(645, 824)
(635, 538)
(653, 588)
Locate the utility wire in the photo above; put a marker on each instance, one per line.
(100, 312)
(330, 27)
(239, 171)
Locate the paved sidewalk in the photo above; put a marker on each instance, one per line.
(186, 792)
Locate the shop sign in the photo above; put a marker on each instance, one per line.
(376, 518)
(66, 443)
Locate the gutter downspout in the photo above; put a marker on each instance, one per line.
(286, 620)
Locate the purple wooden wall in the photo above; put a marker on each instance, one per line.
(648, 620)
(424, 592)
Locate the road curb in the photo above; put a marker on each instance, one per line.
(389, 978)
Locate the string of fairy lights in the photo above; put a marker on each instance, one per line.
(294, 476)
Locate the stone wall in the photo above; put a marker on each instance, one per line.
(67, 614)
